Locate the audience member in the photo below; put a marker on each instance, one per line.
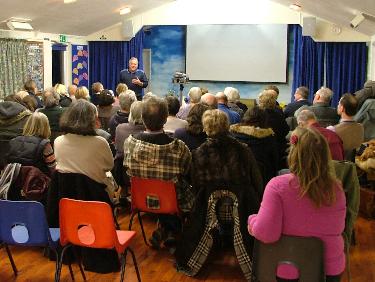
(233, 97)
(126, 99)
(307, 118)
(61, 90)
(31, 88)
(310, 191)
(276, 92)
(72, 91)
(350, 132)
(80, 150)
(153, 154)
(192, 134)
(148, 95)
(82, 93)
(33, 147)
(22, 94)
(300, 99)
(254, 132)
(105, 108)
(209, 100)
(368, 92)
(122, 88)
(222, 105)
(96, 88)
(195, 94)
(173, 122)
(30, 103)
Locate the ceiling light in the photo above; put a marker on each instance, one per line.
(19, 25)
(358, 19)
(295, 7)
(69, 1)
(125, 11)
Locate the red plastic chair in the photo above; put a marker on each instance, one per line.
(90, 224)
(163, 191)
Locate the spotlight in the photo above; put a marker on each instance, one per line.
(358, 19)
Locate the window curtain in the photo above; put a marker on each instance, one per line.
(13, 62)
(108, 58)
(346, 65)
(308, 62)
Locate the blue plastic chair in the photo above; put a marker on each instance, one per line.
(24, 223)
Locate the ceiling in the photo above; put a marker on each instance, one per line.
(88, 16)
(79, 18)
(339, 12)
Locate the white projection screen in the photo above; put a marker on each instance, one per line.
(249, 53)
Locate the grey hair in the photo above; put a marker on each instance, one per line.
(304, 116)
(325, 93)
(195, 94)
(135, 116)
(50, 97)
(232, 93)
(148, 95)
(126, 99)
(133, 59)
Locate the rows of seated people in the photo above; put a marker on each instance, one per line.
(212, 145)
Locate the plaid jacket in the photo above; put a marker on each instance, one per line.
(167, 162)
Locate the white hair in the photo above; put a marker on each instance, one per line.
(304, 116)
(195, 94)
(325, 93)
(232, 93)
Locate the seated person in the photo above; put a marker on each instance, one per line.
(106, 110)
(195, 94)
(64, 99)
(222, 105)
(173, 122)
(300, 99)
(310, 191)
(153, 154)
(233, 96)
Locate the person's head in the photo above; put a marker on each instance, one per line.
(30, 86)
(255, 116)
(22, 94)
(267, 99)
(274, 88)
(195, 94)
(305, 118)
(221, 98)
(50, 97)
(204, 90)
(232, 93)
(37, 125)
(215, 123)
(30, 103)
(323, 95)
(135, 116)
(194, 119)
(126, 99)
(97, 87)
(133, 64)
(121, 87)
(309, 159)
(154, 113)
(348, 105)
(61, 89)
(82, 93)
(79, 118)
(105, 98)
(148, 95)
(72, 90)
(302, 92)
(209, 99)
(14, 98)
(173, 105)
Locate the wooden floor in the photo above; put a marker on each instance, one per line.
(159, 265)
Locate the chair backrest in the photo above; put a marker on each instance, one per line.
(23, 223)
(87, 223)
(306, 253)
(146, 190)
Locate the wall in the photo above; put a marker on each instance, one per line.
(48, 40)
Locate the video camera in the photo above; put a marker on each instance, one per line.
(180, 78)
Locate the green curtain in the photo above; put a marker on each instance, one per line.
(13, 65)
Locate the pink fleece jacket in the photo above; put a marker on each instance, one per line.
(283, 211)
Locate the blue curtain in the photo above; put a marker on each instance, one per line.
(346, 65)
(108, 58)
(308, 62)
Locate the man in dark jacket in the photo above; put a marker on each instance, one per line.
(300, 99)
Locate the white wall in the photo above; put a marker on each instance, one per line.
(48, 40)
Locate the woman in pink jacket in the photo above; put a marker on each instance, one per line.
(307, 202)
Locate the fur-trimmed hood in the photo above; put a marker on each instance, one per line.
(251, 130)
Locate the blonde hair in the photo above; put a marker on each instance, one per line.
(310, 160)
(37, 125)
(82, 93)
(267, 99)
(121, 87)
(215, 122)
(61, 89)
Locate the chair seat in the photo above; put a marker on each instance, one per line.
(124, 238)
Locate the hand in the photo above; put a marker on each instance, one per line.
(137, 81)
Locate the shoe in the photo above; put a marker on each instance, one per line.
(157, 238)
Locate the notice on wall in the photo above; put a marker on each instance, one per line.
(80, 57)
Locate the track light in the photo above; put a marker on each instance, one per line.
(358, 19)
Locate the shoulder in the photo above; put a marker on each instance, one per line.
(280, 183)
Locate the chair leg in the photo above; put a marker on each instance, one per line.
(79, 261)
(58, 274)
(11, 260)
(135, 264)
(57, 262)
(71, 271)
(123, 265)
(143, 231)
(131, 221)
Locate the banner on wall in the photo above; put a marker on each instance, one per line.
(80, 57)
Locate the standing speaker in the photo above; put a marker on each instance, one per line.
(127, 29)
(308, 26)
